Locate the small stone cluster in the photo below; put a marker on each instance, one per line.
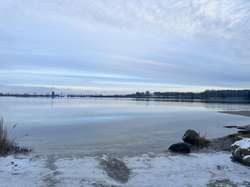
(241, 147)
(191, 139)
(238, 143)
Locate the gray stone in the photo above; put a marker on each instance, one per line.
(241, 155)
(246, 160)
(180, 148)
(191, 137)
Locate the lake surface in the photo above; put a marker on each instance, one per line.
(90, 126)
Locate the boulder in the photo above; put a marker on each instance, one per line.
(241, 151)
(191, 137)
(115, 169)
(246, 160)
(241, 155)
(180, 148)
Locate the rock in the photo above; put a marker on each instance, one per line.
(241, 151)
(236, 155)
(191, 137)
(246, 160)
(115, 169)
(180, 148)
(241, 155)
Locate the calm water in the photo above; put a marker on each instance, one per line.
(119, 126)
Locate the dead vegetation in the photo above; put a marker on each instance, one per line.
(7, 145)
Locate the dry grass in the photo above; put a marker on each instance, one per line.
(203, 142)
(8, 146)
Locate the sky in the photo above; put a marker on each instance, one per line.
(122, 46)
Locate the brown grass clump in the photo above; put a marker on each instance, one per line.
(202, 142)
(8, 146)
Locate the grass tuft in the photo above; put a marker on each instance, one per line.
(203, 142)
(7, 145)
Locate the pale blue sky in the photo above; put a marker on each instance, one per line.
(108, 46)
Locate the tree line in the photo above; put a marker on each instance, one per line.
(205, 95)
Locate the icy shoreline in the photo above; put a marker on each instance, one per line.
(196, 169)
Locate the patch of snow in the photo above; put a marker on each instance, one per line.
(146, 171)
(244, 143)
(160, 171)
(179, 171)
(21, 172)
(81, 172)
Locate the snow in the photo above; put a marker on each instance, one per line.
(21, 171)
(146, 171)
(75, 172)
(244, 143)
(178, 171)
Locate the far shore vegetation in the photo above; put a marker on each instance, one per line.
(228, 96)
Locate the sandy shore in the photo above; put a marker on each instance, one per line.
(241, 113)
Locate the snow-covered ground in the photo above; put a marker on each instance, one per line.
(146, 171)
(21, 171)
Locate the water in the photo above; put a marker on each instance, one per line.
(118, 126)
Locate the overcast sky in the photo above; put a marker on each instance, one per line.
(124, 45)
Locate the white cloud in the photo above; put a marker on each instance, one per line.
(170, 42)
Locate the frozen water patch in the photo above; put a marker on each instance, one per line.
(21, 172)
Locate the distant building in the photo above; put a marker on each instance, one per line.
(147, 93)
(53, 94)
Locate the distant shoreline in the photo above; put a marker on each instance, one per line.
(152, 98)
(208, 96)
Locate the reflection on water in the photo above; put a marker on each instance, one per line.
(120, 126)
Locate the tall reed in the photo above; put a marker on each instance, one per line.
(7, 145)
